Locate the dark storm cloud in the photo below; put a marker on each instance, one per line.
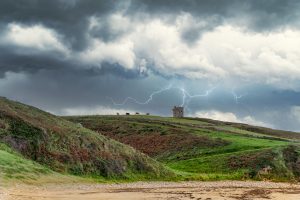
(69, 18)
(19, 62)
(255, 15)
(12, 61)
(262, 14)
(104, 30)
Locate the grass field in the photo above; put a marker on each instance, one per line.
(201, 149)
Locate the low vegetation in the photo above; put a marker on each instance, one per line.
(67, 148)
(203, 149)
(36, 145)
(13, 166)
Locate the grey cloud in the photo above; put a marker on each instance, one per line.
(18, 62)
(12, 61)
(254, 15)
(70, 20)
(259, 11)
(105, 31)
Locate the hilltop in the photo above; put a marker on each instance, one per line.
(34, 143)
(205, 149)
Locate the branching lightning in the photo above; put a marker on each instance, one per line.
(139, 102)
(236, 96)
(186, 96)
(189, 97)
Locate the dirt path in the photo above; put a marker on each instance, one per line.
(229, 190)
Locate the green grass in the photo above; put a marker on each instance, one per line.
(35, 145)
(14, 166)
(205, 162)
(67, 148)
(212, 161)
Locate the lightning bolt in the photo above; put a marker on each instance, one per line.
(185, 95)
(236, 96)
(127, 99)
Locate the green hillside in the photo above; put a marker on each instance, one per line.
(36, 145)
(12, 165)
(14, 168)
(29, 136)
(205, 149)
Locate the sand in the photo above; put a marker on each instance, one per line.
(236, 190)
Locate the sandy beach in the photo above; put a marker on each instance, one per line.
(229, 190)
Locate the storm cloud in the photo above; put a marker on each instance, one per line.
(86, 56)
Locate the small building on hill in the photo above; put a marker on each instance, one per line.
(178, 111)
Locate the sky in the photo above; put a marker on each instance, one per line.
(228, 60)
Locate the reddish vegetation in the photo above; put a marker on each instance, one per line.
(255, 129)
(155, 144)
(252, 160)
(255, 162)
(152, 140)
(2, 126)
(65, 147)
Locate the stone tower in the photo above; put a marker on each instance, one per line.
(177, 111)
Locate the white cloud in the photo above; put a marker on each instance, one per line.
(120, 52)
(161, 44)
(98, 110)
(229, 117)
(225, 53)
(266, 58)
(34, 37)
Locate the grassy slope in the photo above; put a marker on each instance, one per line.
(221, 151)
(31, 134)
(15, 168)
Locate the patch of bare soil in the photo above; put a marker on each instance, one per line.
(229, 190)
